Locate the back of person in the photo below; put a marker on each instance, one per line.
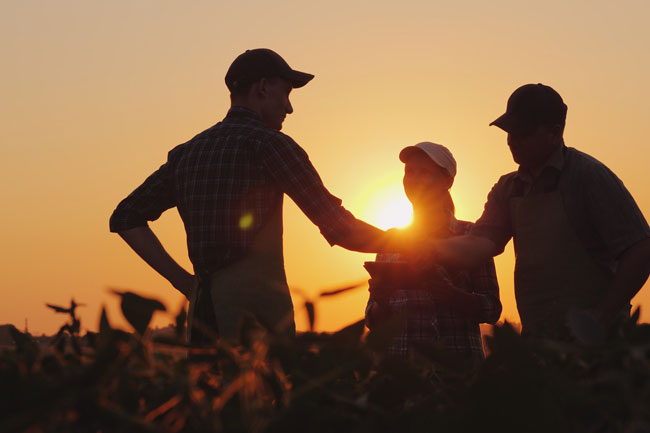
(224, 188)
(228, 184)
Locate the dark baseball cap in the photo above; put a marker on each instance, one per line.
(530, 106)
(253, 65)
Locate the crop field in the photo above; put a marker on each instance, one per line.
(117, 381)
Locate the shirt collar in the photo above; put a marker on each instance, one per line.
(242, 112)
(555, 162)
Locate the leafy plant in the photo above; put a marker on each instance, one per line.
(116, 381)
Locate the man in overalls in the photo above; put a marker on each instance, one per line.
(581, 242)
(228, 184)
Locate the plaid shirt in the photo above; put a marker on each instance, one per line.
(226, 183)
(429, 323)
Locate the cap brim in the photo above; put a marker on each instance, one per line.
(408, 151)
(512, 124)
(299, 79)
(504, 122)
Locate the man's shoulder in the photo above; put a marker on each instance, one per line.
(235, 132)
(250, 130)
(508, 178)
(281, 138)
(585, 166)
(505, 185)
(581, 160)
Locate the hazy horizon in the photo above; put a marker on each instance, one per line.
(95, 94)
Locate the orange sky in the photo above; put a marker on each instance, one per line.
(94, 94)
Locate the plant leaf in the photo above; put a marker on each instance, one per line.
(311, 314)
(58, 309)
(138, 310)
(181, 317)
(104, 325)
(341, 290)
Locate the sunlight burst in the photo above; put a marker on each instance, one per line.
(395, 211)
(385, 205)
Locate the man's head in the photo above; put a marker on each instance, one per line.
(429, 171)
(534, 120)
(261, 80)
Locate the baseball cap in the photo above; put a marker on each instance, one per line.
(252, 65)
(437, 152)
(530, 106)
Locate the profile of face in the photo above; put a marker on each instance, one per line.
(424, 180)
(531, 150)
(274, 104)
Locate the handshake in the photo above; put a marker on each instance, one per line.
(390, 276)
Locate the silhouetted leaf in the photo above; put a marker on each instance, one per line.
(58, 309)
(70, 310)
(138, 310)
(181, 318)
(104, 325)
(341, 290)
(311, 314)
(25, 344)
(75, 327)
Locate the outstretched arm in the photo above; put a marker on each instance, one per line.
(367, 238)
(462, 252)
(467, 251)
(147, 245)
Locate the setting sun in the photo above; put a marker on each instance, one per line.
(392, 210)
(97, 93)
(385, 205)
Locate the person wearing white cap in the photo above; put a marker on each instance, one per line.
(441, 306)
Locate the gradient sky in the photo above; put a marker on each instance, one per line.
(94, 94)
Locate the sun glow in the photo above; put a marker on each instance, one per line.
(385, 205)
(393, 211)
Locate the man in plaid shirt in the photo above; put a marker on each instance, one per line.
(439, 307)
(228, 184)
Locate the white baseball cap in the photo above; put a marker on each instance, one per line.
(437, 152)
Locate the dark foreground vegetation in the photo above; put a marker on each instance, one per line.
(115, 381)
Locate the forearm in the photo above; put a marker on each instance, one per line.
(463, 251)
(366, 238)
(631, 274)
(147, 245)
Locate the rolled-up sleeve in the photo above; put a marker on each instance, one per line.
(146, 203)
(495, 222)
(289, 165)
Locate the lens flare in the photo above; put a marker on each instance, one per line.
(246, 221)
